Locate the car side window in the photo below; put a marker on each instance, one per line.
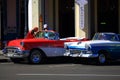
(113, 38)
(51, 35)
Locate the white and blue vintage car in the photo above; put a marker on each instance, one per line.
(103, 48)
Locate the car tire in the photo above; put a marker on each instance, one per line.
(102, 58)
(36, 57)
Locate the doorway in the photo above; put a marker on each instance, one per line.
(66, 18)
(107, 16)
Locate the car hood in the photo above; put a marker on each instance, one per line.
(14, 42)
(17, 42)
(81, 45)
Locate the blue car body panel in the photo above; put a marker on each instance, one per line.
(108, 42)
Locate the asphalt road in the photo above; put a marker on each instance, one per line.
(58, 70)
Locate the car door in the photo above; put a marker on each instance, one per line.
(59, 47)
(115, 50)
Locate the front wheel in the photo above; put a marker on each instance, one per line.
(102, 59)
(36, 57)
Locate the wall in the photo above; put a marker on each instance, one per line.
(11, 16)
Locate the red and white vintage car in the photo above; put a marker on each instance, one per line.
(35, 50)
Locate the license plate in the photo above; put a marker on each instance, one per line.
(75, 55)
(9, 55)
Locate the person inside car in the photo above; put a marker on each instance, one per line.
(31, 34)
(45, 28)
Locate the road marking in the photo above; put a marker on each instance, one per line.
(88, 75)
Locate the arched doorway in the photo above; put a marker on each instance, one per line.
(107, 16)
(66, 18)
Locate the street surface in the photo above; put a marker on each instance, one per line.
(58, 70)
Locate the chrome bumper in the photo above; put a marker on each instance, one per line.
(82, 54)
(15, 53)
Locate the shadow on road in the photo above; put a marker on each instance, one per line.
(90, 62)
(59, 60)
(66, 60)
(4, 60)
(56, 60)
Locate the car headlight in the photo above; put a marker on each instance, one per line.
(66, 45)
(22, 43)
(87, 47)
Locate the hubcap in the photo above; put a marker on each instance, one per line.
(36, 58)
(102, 58)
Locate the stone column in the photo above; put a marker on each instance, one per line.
(81, 18)
(33, 13)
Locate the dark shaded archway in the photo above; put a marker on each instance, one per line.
(107, 16)
(66, 18)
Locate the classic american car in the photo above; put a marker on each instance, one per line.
(103, 48)
(35, 50)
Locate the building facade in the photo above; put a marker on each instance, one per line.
(80, 18)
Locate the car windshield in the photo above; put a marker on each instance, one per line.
(105, 36)
(119, 36)
(46, 34)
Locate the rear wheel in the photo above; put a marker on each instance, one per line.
(36, 57)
